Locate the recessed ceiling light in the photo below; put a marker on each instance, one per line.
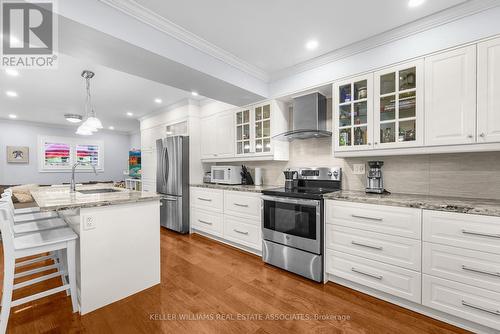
(194, 93)
(130, 114)
(12, 116)
(12, 72)
(312, 44)
(73, 118)
(111, 127)
(11, 93)
(158, 100)
(415, 3)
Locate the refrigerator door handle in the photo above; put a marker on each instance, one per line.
(166, 167)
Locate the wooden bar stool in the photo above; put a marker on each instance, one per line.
(61, 240)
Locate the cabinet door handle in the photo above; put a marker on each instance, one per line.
(482, 135)
(365, 245)
(369, 218)
(481, 234)
(492, 311)
(486, 272)
(366, 273)
(241, 205)
(240, 232)
(470, 136)
(205, 199)
(205, 222)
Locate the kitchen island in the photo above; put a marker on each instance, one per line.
(118, 250)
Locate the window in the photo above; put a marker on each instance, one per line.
(58, 154)
(88, 154)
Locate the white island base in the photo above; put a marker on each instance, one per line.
(118, 252)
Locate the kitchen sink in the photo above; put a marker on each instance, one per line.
(97, 191)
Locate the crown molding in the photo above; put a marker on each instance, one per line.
(181, 103)
(426, 23)
(145, 15)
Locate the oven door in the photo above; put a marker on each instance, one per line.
(293, 222)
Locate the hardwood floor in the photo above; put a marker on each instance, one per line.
(205, 279)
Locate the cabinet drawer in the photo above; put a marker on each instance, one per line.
(243, 231)
(471, 303)
(404, 222)
(207, 221)
(474, 232)
(208, 199)
(394, 280)
(398, 251)
(463, 265)
(242, 204)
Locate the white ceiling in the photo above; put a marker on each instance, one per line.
(46, 95)
(271, 34)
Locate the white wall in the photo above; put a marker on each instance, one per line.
(16, 133)
(135, 140)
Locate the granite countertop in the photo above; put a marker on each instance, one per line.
(234, 187)
(440, 203)
(59, 198)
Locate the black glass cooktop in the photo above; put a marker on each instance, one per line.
(300, 192)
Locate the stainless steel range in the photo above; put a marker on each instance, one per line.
(292, 220)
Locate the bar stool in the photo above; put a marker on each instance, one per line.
(25, 216)
(61, 240)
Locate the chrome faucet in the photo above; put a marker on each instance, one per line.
(72, 186)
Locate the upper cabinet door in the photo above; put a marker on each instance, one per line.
(353, 114)
(224, 134)
(450, 97)
(488, 91)
(262, 129)
(399, 106)
(209, 137)
(243, 127)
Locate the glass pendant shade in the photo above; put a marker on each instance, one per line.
(93, 123)
(83, 131)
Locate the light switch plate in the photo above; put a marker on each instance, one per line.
(358, 169)
(89, 223)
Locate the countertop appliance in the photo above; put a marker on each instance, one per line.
(308, 118)
(292, 222)
(172, 182)
(226, 174)
(290, 180)
(374, 178)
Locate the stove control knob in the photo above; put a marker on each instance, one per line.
(329, 173)
(336, 174)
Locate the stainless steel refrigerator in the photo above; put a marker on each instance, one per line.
(172, 182)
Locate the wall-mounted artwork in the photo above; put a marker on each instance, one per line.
(18, 154)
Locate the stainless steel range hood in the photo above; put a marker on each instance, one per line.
(309, 118)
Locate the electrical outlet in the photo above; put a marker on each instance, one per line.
(89, 223)
(358, 169)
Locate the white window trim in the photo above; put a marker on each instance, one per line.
(72, 142)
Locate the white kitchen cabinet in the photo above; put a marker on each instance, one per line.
(148, 168)
(217, 135)
(398, 106)
(488, 91)
(450, 97)
(353, 113)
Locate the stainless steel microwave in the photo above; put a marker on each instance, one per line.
(226, 174)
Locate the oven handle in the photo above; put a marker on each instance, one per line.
(291, 200)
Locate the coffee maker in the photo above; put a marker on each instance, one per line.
(374, 179)
(290, 181)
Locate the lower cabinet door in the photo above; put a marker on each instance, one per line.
(471, 303)
(243, 231)
(394, 280)
(207, 221)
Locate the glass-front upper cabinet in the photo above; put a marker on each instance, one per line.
(262, 126)
(353, 113)
(243, 131)
(399, 106)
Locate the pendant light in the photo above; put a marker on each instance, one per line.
(92, 123)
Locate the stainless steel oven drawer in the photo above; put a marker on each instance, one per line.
(291, 259)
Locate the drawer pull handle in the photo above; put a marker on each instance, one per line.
(240, 232)
(366, 274)
(481, 234)
(205, 199)
(205, 222)
(242, 205)
(367, 246)
(369, 218)
(492, 273)
(495, 312)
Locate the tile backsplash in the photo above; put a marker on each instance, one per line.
(459, 174)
